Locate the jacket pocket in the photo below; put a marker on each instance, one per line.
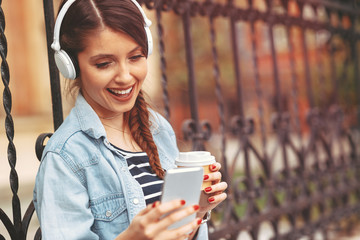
(109, 212)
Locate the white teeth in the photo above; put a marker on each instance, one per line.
(121, 91)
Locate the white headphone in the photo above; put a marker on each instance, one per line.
(63, 60)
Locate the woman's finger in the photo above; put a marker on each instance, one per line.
(160, 209)
(190, 227)
(148, 208)
(219, 187)
(215, 167)
(182, 232)
(176, 216)
(214, 177)
(216, 199)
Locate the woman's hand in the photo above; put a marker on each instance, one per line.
(148, 224)
(213, 195)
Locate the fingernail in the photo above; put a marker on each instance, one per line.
(196, 207)
(154, 204)
(206, 177)
(213, 167)
(208, 189)
(182, 202)
(211, 199)
(199, 221)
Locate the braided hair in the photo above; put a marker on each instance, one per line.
(140, 129)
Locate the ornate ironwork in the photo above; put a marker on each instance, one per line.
(17, 228)
(292, 193)
(54, 74)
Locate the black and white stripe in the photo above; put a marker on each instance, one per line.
(139, 167)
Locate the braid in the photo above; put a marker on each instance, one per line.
(140, 129)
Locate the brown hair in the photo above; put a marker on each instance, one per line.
(85, 17)
(139, 124)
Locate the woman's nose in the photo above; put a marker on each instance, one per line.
(123, 73)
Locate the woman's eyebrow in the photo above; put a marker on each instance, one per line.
(135, 49)
(93, 58)
(103, 55)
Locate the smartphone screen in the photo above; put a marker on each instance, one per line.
(183, 183)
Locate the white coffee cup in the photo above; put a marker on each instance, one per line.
(196, 159)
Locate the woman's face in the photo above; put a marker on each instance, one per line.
(112, 71)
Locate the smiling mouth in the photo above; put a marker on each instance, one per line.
(120, 93)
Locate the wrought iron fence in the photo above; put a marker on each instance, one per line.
(284, 110)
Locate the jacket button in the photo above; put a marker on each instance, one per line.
(136, 201)
(108, 213)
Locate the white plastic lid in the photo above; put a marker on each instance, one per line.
(194, 158)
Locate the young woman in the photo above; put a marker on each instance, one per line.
(101, 172)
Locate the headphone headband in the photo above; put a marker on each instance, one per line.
(56, 43)
(63, 60)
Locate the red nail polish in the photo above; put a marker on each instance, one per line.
(211, 199)
(182, 202)
(199, 221)
(208, 189)
(213, 167)
(154, 204)
(206, 177)
(196, 207)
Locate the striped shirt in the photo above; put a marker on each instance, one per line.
(139, 167)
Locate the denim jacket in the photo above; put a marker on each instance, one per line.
(83, 187)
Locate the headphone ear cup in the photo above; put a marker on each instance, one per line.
(149, 40)
(65, 64)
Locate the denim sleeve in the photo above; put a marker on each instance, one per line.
(203, 232)
(61, 202)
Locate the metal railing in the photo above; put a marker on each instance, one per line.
(285, 93)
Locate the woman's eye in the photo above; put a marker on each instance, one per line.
(102, 64)
(136, 57)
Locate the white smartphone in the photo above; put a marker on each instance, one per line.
(183, 183)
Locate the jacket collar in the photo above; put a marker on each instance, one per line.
(88, 119)
(90, 122)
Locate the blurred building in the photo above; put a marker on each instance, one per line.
(27, 57)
